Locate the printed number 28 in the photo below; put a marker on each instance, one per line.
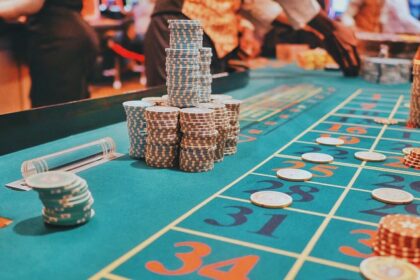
(192, 261)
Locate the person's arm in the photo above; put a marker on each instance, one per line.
(12, 9)
(299, 13)
(263, 11)
(352, 9)
(396, 18)
(340, 41)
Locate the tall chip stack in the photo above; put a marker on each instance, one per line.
(189, 125)
(183, 63)
(136, 125)
(199, 136)
(205, 78)
(233, 107)
(414, 117)
(162, 136)
(399, 236)
(221, 122)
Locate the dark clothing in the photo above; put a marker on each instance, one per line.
(157, 39)
(75, 5)
(168, 7)
(285, 34)
(62, 50)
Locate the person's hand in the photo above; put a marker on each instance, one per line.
(340, 42)
(249, 44)
(347, 48)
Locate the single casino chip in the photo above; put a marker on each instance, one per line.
(271, 199)
(385, 121)
(51, 180)
(392, 196)
(388, 268)
(293, 174)
(370, 156)
(317, 158)
(330, 141)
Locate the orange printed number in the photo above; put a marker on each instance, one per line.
(240, 268)
(193, 260)
(322, 169)
(295, 164)
(351, 129)
(398, 163)
(349, 140)
(352, 252)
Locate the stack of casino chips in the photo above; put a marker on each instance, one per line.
(199, 139)
(185, 34)
(233, 107)
(204, 95)
(385, 70)
(66, 198)
(413, 159)
(136, 125)
(182, 63)
(162, 136)
(399, 235)
(414, 116)
(221, 122)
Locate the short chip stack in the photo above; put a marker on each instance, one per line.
(399, 235)
(220, 97)
(413, 158)
(314, 59)
(233, 107)
(414, 117)
(136, 125)
(206, 78)
(198, 140)
(182, 63)
(162, 136)
(221, 123)
(156, 100)
(385, 70)
(66, 198)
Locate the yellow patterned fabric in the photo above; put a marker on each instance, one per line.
(219, 21)
(368, 17)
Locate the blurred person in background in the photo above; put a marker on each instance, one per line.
(279, 31)
(381, 16)
(61, 48)
(221, 31)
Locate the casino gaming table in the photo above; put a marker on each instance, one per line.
(167, 224)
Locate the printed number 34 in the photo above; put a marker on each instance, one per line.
(193, 260)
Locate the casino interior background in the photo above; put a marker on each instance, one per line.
(121, 26)
(254, 151)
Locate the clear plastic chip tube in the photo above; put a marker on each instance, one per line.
(72, 158)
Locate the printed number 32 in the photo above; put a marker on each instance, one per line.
(193, 260)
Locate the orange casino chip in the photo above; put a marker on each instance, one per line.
(403, 225)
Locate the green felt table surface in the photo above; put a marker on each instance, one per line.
(134, 202)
